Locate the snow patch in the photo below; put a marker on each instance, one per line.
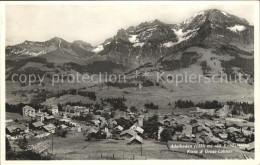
(200, 13)
(220, 35)
(133, 38)
(141, 44)
(169, 44)
(182, 36)
(98, 49)
(224, 13)
(237, 28)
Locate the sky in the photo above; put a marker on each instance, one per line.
(95, 23)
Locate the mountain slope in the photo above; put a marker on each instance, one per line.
(150, 41)
(54, 50)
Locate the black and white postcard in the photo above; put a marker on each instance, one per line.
(129, 81)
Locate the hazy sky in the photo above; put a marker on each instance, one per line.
(95, 23)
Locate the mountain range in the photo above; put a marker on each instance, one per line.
(224, 41)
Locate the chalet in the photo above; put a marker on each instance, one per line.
(49, 128)
(28, 111)
(54, 109)
(38, 125)
(127, 134)
(39, 116)
(9, 122)
(135, 140)
(16, 129)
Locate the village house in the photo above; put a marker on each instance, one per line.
(16, 129)
(49, 119)
(28, 111)
(49, 128)
(54, 109)
(37, 125)
(40, 116)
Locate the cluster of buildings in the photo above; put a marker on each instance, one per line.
(218, 131)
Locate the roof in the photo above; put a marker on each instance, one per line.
(137, 128)
(54, 106)
(119, 127)
(223, 135)
(13, 128)
(37, 124)
(62, 126)
(233, 129)
(97, 116)
(92, 130)
(129, 131)
(28, 107)
(239, 122)
(39, 114)
(136, 137)
(49, 127)
(65, 120)
(8, 121)
(49, 117)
